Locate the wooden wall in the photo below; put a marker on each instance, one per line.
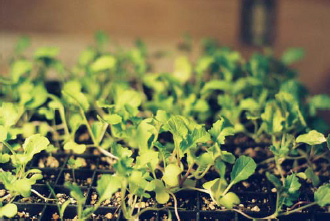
(71, 23)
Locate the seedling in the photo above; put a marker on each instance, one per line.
(164, 132)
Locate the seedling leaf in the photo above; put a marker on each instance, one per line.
(312, 138)
(243, 168)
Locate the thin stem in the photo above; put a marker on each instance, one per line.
(227, 189)
(82, 113)
(298, 209)
(204, 172)
(197, 189)
(96, 144)
(244, 214)
(123, 204)
(297, 204)
(41, 196)
(175, 206)
(57, 204)
(267, 161)
(80, 210)
(279, 168)
(9, 147)
(186, 175)
(62, 113)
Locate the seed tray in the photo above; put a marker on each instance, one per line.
(44, 210)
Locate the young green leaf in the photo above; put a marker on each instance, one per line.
(4, 158)
(9, 210)
(72, 93)
(319, 102)
(182, 69)
(312, 176)
(3, 133)
(170, 175)
(22, 44)
(198, 135)
(292, 184)
(113, 119)
(103, 63)
(87, 57)
(145, 131)
(127, 98)
(46, 52)
(76, 148)
(272, 118)
(162, 195)
(243, 168)
(75, 192)
(35, 144)
(9, 114)
(227, 157)
(322, 195)
(220, 130)
(274, 180)
(292, 55)
(220, 166)
(19, 68)
(108, 185)
(150, 158)
(22, 186)
(216, 85)
(229, 200)
(312, 138)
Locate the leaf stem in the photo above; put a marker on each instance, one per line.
(298, 209)
(9, 147)
(175, 206)
(41, 196)
(96, 144)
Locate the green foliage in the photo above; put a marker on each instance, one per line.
(73, 95)
(311, 138)
(22, 44)
(182, 69)
(164, 131)
(220, 130)
(46, 52)
(171, 174)
(243, 168)
(9, 210)
(322, 195)
(312, 176)
(292, 55)
(218, 188)
(103, 63)
(107, 185)
(33, 145)
(19, 68)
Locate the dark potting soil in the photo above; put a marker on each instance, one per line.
(186, 200)
(44, 161)
(28, 212)
(115, 201)
(33, 198)
(250, 203)
(49, 176)
(106, 163)
(80, 177)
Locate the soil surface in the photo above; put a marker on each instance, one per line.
(51, 162)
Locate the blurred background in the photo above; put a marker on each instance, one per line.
(245, 25)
